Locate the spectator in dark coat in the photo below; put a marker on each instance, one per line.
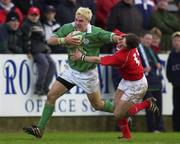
(172, 72)
(35, 46)
(146, 7)
(125, 17)
(66, 10)
(10, 35)
(91, 5)
(152, 70)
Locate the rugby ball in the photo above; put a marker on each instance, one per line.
(77, 34)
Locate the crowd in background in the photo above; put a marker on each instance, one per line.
(25, 25)
(134, 16)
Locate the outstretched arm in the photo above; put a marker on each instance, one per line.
(105, 60)
(77, 55)
(93, 59)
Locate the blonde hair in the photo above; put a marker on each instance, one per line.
(176, 34)
(156, 32)
(84, 12)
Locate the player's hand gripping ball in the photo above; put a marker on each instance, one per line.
(76, 34)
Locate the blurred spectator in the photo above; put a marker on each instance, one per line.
(155, 1)
(156, 33)
(166, 22)
(172, 72)
(55, 3)
(91, 5)
(5, 7)
(103, 8)
(10, 35)
(178, 8)
(152, 70)
(125, 17)
(49, 21)
(35, 46)
(66, 10)
(146, 7)
(50, 25)
(24, 5)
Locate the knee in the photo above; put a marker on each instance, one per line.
(97, 106)
(118, 115)
(51, 98)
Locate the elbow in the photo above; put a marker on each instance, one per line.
(52, 41)
(49, 41)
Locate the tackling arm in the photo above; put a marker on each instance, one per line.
(105, 60)
(92, 59)
(77, 55)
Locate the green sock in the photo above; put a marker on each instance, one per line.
(108, 106)
(46, 115)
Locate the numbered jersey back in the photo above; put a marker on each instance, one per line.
(131, 67)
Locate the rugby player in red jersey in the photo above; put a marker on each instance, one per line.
(133, 85)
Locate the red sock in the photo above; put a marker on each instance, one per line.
(138, 107)
(124, 127)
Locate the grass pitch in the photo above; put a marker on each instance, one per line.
(89, 138)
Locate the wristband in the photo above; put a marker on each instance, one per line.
(83, 57)
(61, 40)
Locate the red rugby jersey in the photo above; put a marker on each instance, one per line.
(128, 62)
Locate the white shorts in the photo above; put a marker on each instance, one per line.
(134, 91)
(88, 81)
